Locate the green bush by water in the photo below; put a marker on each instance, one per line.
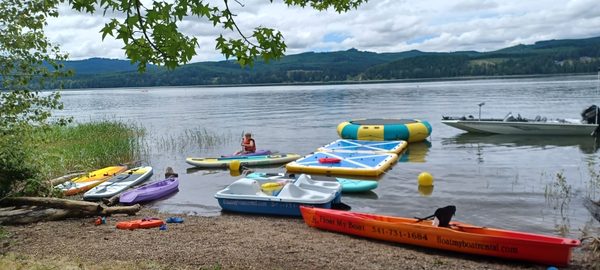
(27, 161)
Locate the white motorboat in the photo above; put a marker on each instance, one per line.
(522, 126)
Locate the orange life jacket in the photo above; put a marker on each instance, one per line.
(252, 148)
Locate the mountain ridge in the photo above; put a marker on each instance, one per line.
(542, 57)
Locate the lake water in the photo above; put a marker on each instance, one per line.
(501, 181)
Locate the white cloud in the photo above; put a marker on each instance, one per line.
(379, 26)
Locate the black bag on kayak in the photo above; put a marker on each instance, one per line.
(443, 216)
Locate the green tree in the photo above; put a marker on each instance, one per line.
(27, 61)
(151, 34)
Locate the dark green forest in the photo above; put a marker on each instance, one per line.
(543, 57)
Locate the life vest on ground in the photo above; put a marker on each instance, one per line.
(251, 148)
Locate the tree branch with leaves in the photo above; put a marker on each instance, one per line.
(151, 34)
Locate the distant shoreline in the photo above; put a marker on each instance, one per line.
(441, 79)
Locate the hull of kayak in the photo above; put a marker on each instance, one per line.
(459, 237)
(244, 160)
(150, 192)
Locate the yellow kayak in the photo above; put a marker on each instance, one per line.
(89, 180)
(259, 160)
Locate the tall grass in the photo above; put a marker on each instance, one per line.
(559, 194)
(88, 146)
(191, 138)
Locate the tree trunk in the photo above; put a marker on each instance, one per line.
(26, 210)
(112, 200)
(129, 210)
(52, 203)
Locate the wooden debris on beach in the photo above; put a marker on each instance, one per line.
(65, 178)
(24, 210)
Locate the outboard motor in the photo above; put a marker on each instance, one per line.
(590, 115)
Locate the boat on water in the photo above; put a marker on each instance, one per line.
(257, 160)
(278, 196)
(459, 237)
(518, 125)
(150, 192)
(260, 152)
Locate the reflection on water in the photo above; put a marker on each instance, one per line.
(415, 152)
(586, 144)
(494, 180)
(368, 195)
(425, 190)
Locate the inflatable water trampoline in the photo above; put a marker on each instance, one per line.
(410, 130)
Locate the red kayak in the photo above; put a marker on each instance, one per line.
(459, 237)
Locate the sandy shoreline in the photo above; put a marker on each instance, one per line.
(231, 241)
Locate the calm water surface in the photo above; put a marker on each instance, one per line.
(502, 181)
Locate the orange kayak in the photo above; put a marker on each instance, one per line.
(458, 237)
(140, 224)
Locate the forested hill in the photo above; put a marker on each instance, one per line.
(543, 57)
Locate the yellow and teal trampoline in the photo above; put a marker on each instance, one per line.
(410, 130)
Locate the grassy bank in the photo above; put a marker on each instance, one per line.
(88, 146)
(30, 158)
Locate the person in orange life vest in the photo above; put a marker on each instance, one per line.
(248, 144)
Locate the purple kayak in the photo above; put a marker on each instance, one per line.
(150, 191)
(259, 152)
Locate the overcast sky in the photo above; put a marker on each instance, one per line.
(378, 26)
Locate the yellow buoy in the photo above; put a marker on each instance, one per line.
(425, 179)
(234, 165)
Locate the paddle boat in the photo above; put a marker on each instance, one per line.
(119, 183)
(90, 180)
(278, 196)
(350, 163)
(539, 126)
(259, 160)
(343, 145)
(150, 192)
(348, 185)
(381, 129)
(459, 237)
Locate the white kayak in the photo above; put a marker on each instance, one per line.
(119, 183)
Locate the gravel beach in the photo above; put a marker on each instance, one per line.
(229, 241)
